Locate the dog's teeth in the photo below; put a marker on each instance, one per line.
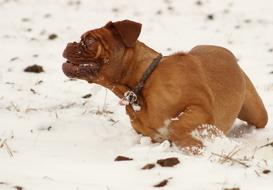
(85, 65)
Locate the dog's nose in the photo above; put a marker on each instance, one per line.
(72, 44)
(71, 48)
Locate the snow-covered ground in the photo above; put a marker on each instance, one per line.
(52, 138)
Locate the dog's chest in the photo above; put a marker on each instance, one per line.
(149, 122)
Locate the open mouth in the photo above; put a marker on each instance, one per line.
(79, 70)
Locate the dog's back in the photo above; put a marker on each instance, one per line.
(233, 92)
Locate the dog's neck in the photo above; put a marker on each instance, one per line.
(135, 63)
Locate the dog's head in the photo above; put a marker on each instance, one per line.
(100, 51)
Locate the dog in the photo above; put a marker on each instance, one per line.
(166, 97)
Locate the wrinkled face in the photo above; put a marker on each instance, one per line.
(100, 51)
(85, 58)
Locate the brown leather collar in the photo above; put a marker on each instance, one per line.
(130, 96)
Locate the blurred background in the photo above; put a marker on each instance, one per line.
(55, 132)
(169, 26)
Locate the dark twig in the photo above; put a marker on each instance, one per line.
(4, 143)
(226, 158)
(268, 144)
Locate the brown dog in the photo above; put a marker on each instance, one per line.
(184, 91)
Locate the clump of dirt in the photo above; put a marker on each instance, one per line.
(87, 96)
(52, 36)
(234, 188)
(33, 91)
(34, 69)
(14, 59)
(25, 20)
(266, 171)
(247, 21)
(210, 17)
(75, 3)
(159, 12)
(168, 162)
(18, 187)
(115, 10)
(162, 183)
(48, 15)
(148, 166)
(123, 158)
(237, 26)
(199, 3)
(170, 8)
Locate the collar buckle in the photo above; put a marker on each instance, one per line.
(130, 97)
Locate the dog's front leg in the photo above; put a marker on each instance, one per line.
(180, 129)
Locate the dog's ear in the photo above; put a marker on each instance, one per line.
(127, 30)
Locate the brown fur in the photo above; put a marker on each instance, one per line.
(206, 84)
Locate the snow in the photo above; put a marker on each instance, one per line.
(52, 138)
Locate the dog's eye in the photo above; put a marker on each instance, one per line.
(89, 41)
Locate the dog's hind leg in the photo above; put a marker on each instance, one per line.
(253, 110)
